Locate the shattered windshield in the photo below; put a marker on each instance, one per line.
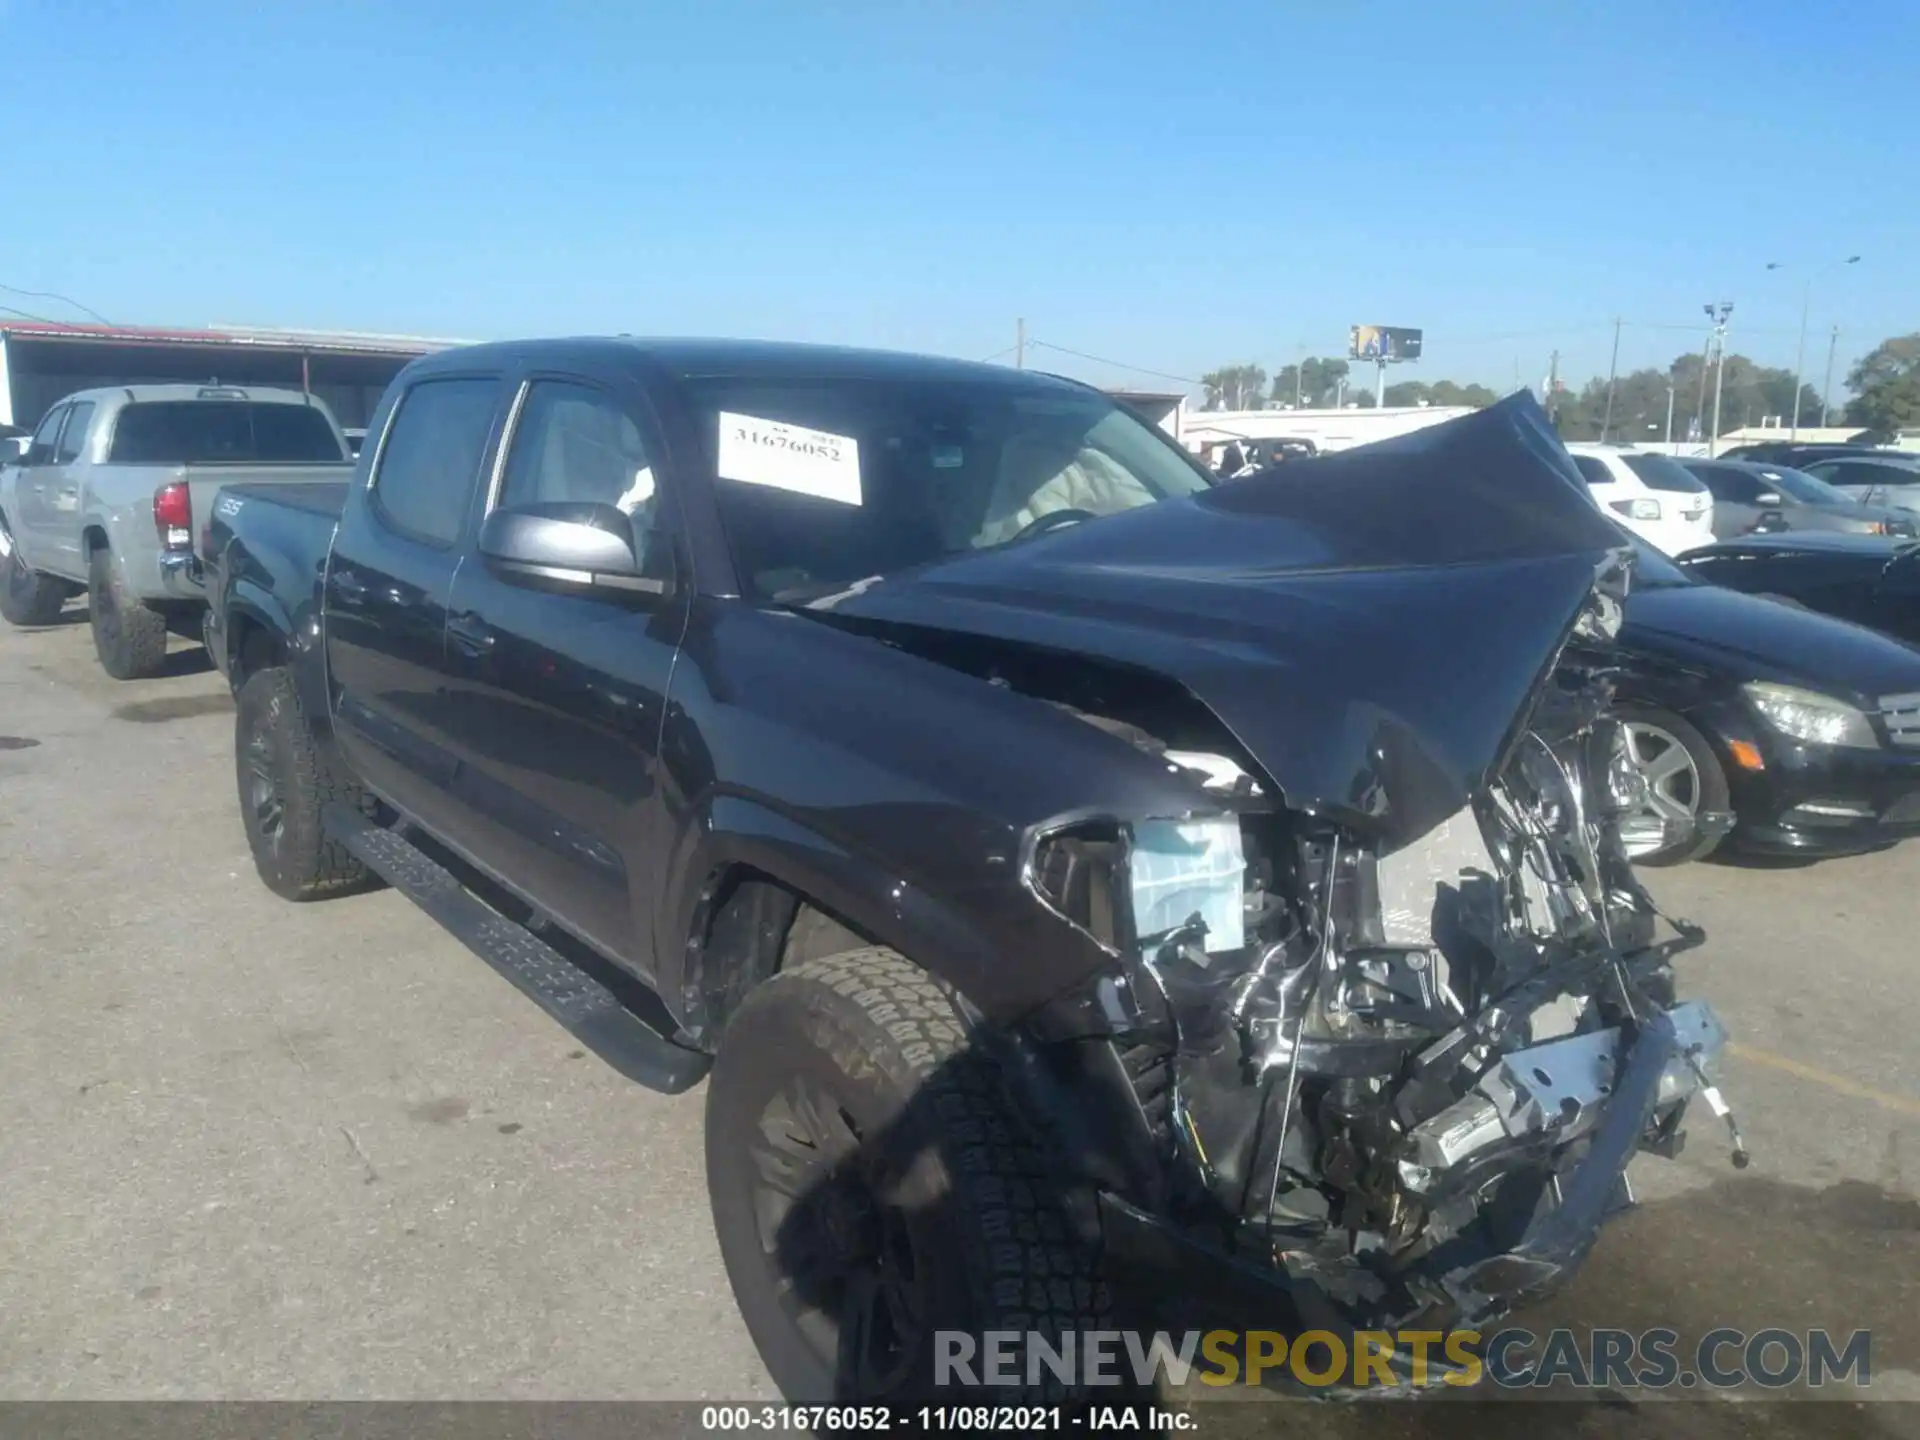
(825, 483)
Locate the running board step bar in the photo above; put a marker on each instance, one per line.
(588, 1009)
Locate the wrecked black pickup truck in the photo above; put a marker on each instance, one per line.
(1098, 894)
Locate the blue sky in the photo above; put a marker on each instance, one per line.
(1168, 186)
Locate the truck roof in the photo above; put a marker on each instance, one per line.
(140, 394)
(693, 359)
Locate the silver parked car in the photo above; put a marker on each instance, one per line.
(1750, 495)
(107, 497)
(1888, 478)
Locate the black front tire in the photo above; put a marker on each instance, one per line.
(129, 635)
(286, 775)
(26, 596)
(873, 1182)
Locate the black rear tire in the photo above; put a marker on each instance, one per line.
(26, 596)
(129, 635)
(873, 1182)
(286, 774)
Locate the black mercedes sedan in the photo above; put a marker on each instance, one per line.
(1761, 725)
(1867, 579)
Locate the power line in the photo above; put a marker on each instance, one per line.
(1116, 364)
(50, 295)
(26, 315)
(1521, 334)
(996, 355)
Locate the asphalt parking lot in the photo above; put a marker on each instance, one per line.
(254, 1150)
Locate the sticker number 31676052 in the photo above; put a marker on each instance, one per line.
(789, 457)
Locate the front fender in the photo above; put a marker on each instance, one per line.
(862, 889)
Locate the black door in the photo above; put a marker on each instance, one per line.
(557, 691)
(387, 583)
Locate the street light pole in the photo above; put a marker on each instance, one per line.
(1670, 389)
(1826, 390)
(1717, 346)
(1800, 358)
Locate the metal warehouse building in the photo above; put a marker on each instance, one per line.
(42, 361)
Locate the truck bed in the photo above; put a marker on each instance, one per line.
(316, 497)
(265, 547)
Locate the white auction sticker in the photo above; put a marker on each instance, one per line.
(789, 457)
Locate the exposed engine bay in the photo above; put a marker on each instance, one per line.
(1383, 1069)
(1386, 992)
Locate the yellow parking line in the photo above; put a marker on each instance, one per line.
(1905, 1104)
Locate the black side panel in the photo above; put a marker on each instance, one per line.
(587, 1009)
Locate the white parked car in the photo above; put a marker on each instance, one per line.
(1653, 495)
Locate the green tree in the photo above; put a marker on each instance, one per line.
(1234, 387)
(1321, 378)
(1447, 392)
(1313, 382)
(1886, 386)
(1749, 394)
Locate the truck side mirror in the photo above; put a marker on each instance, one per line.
(566, 542)
(1771, 522)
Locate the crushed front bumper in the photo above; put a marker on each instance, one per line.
(1583, 1087)
(1558, 1091)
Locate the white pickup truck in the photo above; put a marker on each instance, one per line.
(107, 497)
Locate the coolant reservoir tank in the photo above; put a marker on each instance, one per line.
(1183, 868)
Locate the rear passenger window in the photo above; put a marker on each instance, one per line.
(1595, 470)
(431, 460)
(79, 421)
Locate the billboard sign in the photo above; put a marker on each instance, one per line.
(1382, 342)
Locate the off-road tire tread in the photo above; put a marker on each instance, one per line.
(141, 652)
(1044, 1278)
(1030, 1267)
(313, 865)
(43, 601)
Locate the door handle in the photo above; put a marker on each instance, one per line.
(350, 585)
(472, 634)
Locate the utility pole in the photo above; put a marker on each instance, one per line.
(1020, 344)
(1553, 385)
(1613, 371)
(1806, 303)
(1826, 390)
(1670, 389)
(1380, 384)
(1299, 365)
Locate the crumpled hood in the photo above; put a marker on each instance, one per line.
(1371, 625)
(1764, 640)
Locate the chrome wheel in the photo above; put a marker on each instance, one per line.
(1672, 795)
